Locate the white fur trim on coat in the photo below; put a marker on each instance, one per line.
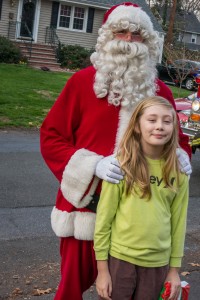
(78, 224)
(124, 118)
(132, 14)
(78, 174)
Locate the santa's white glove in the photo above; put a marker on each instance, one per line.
(109, 170)
(184, 161)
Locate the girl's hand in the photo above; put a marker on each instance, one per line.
(104, 285)
(174, 279)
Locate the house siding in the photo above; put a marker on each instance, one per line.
(6, 12)
(187, 38)
(66, 36)
(44, 21)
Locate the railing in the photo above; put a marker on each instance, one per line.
(20, 31)
(52, 39)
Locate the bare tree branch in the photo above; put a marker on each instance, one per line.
(176, 57)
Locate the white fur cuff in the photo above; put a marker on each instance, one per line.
(78, 174)
(78, 224)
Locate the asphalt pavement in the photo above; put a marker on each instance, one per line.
(29, 250)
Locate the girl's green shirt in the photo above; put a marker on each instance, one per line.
(147, 233)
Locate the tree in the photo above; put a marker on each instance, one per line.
(175, 60)
(161, 7)
(189, 6)
(169, 37)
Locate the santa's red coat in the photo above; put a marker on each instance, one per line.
(78, 131)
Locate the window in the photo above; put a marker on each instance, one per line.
(73, 17)
(180, 37)
(65, 14)
(194, 38)
(78, 18)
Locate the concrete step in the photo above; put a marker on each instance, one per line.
(34, 45)
(39, 53)
(42, 55)
(46, 50)
(50, 56)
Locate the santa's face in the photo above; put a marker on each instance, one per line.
(124, 63)
(128, 36)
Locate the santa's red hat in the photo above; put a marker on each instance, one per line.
(130, 12)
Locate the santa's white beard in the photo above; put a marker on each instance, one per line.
(124, 72)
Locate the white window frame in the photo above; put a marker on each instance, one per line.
(72, 18)
(194, 37)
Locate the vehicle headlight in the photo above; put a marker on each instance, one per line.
(196, 105)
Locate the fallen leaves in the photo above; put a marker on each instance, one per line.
(194, 264)
(17, 291)
(39, 292)
(36, 280)
(185, 273)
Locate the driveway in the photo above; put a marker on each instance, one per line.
(29, 250)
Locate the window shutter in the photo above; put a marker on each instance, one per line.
(90, 20)
(54, 14)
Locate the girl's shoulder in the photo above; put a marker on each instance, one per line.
(183, 178)
(106, 184)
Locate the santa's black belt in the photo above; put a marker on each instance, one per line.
(93, 203)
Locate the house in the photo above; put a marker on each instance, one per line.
(188, 27)
(67, 21)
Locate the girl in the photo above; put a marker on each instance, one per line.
(141, 222)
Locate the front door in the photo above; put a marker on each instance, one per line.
(28, 18)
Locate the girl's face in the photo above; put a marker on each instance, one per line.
(156, 126)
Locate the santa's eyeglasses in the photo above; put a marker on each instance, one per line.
(125, 33)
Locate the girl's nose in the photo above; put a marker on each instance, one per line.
(159, 125)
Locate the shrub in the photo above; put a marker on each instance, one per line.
(9, 52)
(74, 57)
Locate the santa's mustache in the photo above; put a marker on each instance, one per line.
(130, 49)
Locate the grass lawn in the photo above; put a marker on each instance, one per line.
(180, 93)
(27, 94)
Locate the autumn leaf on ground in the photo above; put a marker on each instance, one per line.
(194, 265)
(40, 292)
(185, 273)
(17, 291)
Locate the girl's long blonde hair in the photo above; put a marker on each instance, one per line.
(132, 158)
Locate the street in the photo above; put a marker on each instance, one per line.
(29, 250)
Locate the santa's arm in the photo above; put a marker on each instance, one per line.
(73, 167)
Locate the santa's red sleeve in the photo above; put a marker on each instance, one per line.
(74, 167)
(164, 91)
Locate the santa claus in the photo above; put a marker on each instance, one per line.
(82, 131)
